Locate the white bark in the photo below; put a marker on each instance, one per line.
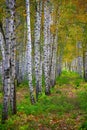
(85, 62)
(2, 46)
(54, 61)
(37, 44)
(9, 64)
(29, 52)
(3, 55)
(46, 50)
(7, 78)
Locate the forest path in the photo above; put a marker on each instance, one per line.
(64, 109)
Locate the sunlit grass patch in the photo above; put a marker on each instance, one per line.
(62, 80)
(52, 104)
(67, 101)
(69, 78)
(82, 98)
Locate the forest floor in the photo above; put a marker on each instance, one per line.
(64, 109)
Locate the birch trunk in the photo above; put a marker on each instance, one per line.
(79, 58)
(46, 50)
(54, 61)
(3, 56)
(29, 52)
(7, 77)
(13, 64)
(85, 62)
(79, 65)
(59, 65)
(9, 64)
(49, 43)
(37, 47)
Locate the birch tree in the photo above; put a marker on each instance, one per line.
(6, 76)
(85, 61)
(46, 49)
(54, 61)
(79, 58)
(29, 53)
(9, 64)
(37, 47)
(13, 56)
(2, 51)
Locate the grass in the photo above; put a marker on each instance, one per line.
(69, 78)
(82, 97)
(66, 107)
(46, 105)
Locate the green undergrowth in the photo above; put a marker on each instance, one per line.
(25, 84)
(46, 106)
(49, 111)
(69, 78)
(82, 98)
(56, 104)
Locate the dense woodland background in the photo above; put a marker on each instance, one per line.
(43, 57)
